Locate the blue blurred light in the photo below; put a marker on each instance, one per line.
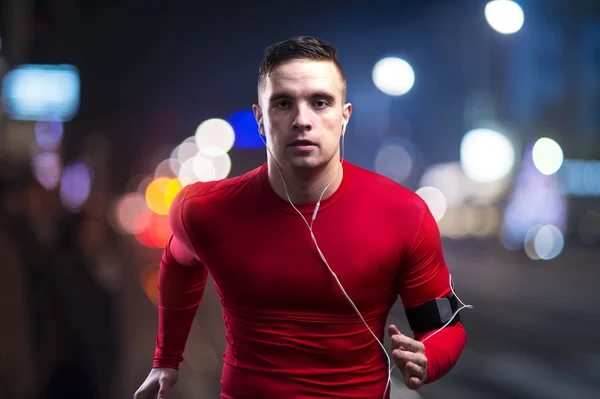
(41, 92)
(246, 130)
(75, 186)
(48, 134)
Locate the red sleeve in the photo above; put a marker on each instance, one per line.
(181, 282)
(425, 277)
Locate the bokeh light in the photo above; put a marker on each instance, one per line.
(393, 161)
(127, 210)
(75, 186)
(48, 135)
(222, 166)
(504, 16)
(47, 169)
(149, 282)
(435, 200)
(547, 156)
(486, 155)
(203, 168)
(155, 195)
(214, 137)
(165, 168)
(393, 76)
(173, 188)
(184, 151)
(157, 231)
(544, 242)
(246, 130)
(580, 178)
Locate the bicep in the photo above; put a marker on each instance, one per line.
(180, 246)
(424, 275)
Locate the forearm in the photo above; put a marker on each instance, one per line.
(180, 292)
(442, 350)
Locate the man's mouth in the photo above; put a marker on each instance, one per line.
(302, 143)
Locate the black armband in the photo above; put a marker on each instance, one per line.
(433, 315)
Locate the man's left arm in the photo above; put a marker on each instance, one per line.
(424, 278)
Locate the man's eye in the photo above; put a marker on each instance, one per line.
(282, 104)
(321, 104)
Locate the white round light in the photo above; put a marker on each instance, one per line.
(548, 242)
(435, 200)
(547, 156)
(393, 161)
(504, 16)
(486, 156)
(214, 137)
(393, 76)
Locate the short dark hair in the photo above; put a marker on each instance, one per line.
(299, 48)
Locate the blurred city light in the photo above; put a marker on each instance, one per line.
(393, 76)
(504, 16)
(47, 169)
(48, 134)
(157, 232)
(214, 137)
(246, 130)
(462, 220)
(537, 199)
(544, 242)
(580, 178)
(127, 210)
(394, 161)
(547, 156)
(165, 168)
(186, 150)
(486, 155)
(149, 282)
(41, 92)
(173, 188)
(222, 166)
(203, 168)
(156, 195)
(451, 180)
(187, 174)
(435, 200)
(75, 186)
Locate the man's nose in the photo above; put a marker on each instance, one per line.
(302, 120)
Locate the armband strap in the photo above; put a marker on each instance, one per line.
(433, 315)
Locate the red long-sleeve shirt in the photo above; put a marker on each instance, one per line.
(290, 331)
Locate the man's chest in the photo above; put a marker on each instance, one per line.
(276, 264)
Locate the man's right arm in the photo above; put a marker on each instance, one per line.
(181, 282)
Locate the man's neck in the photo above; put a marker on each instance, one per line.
(305, 186)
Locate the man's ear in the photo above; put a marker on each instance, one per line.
(258, 115)
(346, 117)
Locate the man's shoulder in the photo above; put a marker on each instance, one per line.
(218, 190)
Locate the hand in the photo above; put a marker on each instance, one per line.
(157, 384)
(409, 356)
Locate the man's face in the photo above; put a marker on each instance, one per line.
(301, 111)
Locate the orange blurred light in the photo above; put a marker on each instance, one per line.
(157, 231)
(155, 195)
(173, 188)
(149, 282)
(160, 231)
